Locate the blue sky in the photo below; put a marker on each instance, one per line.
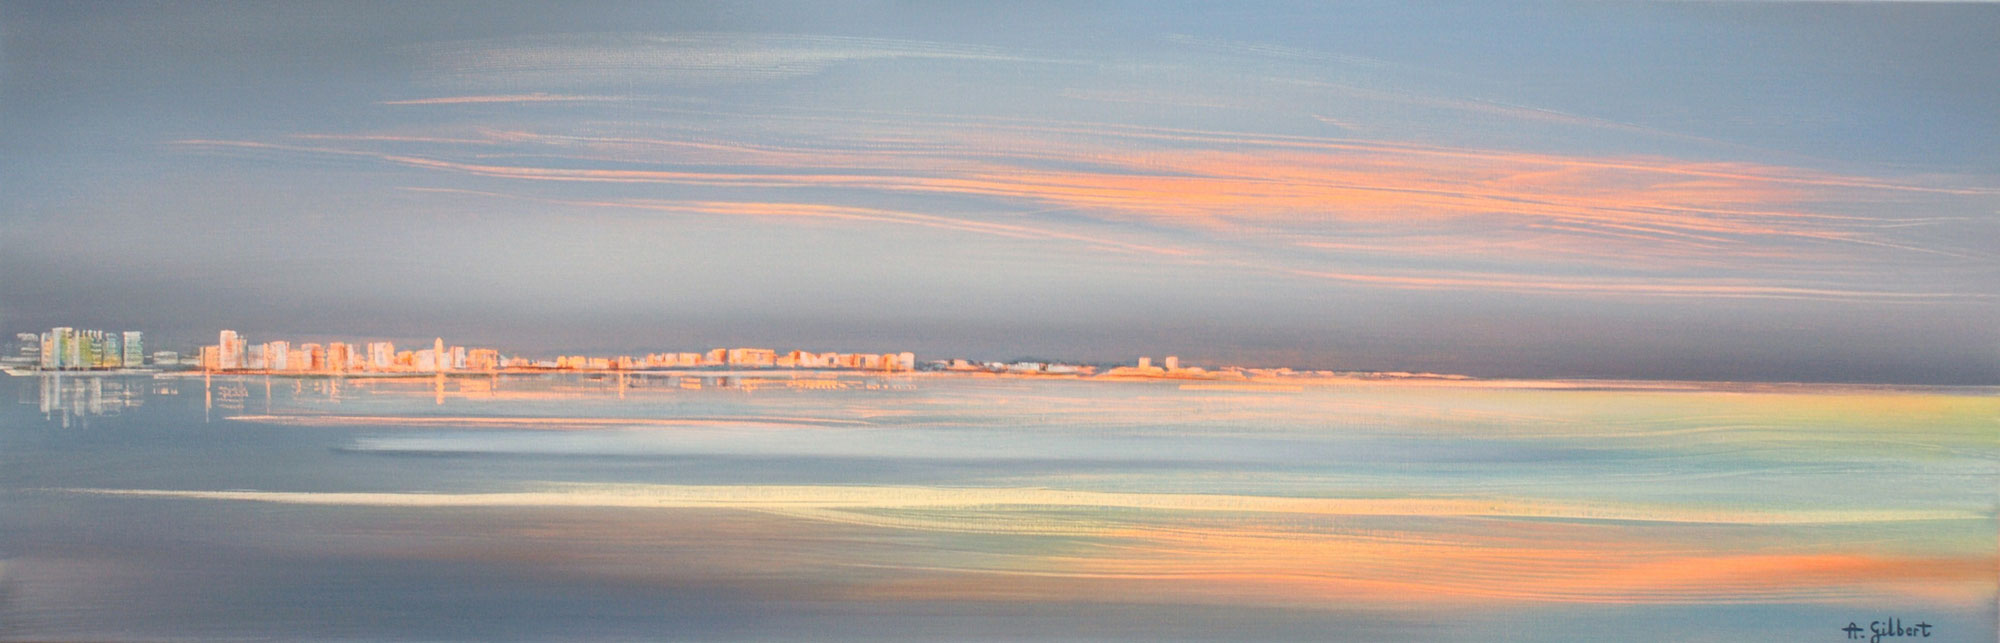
(1715, 191)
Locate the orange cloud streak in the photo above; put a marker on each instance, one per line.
(537, 97)
(1307, 192)
(1291, 190)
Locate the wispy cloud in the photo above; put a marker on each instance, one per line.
(843, 213)
(1692, 204)
(1643, 287)
(571, 60)
(537, 97)
(1349, 211)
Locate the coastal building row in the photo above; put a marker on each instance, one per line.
(65, 348)
(233, 352)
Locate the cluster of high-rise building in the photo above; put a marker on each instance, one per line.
(68, 349)
(232, 352)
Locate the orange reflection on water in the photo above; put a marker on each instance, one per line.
(1057, 545)
(1271, 567)
(552, 423)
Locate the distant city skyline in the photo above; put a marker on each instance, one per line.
(67, 350)
(1704, 191)
(234, 351)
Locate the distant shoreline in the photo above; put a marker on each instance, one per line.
(531, 371)
(1264, 383)
(33, 372)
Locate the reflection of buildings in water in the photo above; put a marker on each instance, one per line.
(73, 398)
(754, 384)
(234, 392)
(481, 386)
(230, 393)
(317, 387)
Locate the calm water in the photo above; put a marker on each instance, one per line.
(952, 508)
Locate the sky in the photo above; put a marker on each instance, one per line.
(1720, 191)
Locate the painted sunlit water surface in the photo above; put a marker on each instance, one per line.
(935, 506)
